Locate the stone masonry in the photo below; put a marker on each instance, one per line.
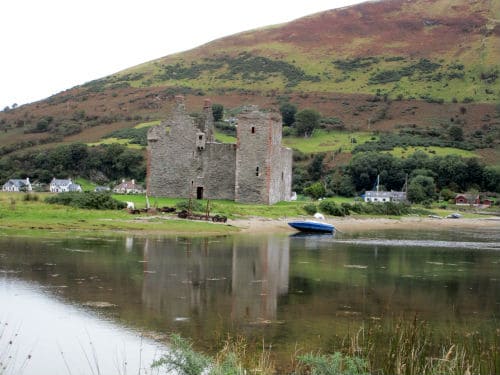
(185, 161)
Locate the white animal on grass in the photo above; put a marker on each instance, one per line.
(130, 205)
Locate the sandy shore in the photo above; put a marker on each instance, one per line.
(353, 224)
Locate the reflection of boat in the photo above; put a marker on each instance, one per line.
(310, 226)
(313, 235)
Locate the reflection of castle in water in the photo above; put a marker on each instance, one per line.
(206, 279)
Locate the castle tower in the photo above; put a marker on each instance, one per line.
(263, 167)
(183, 160)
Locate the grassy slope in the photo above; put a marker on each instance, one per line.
(335, 75)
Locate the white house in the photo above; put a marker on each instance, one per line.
(63, 186)
(385, 196)
(18, 185)
(128, 187)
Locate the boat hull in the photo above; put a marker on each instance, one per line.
(312, 226)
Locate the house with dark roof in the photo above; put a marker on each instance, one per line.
(17, 185)
(63, 186)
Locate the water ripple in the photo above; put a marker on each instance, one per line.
(424, 243)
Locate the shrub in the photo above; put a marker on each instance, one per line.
(315, 190)
(87, 200)
(182, 359)
(30, 197)
(193, 206)
(331, 208)
(310, 208)
(333, 364)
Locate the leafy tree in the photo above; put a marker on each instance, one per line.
(288, 111)
(316, 168)
(315, 190)
(365, 167)
(218, 112)
(421, 189)
(456, 133)
(306, 121)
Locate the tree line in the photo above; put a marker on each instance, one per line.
(426, 176)
(101, 164)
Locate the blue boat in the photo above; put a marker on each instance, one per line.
(310, 226)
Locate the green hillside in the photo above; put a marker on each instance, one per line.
(390, 76)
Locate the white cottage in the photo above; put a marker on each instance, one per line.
(17, 185)
(63, 186)
(385, 196)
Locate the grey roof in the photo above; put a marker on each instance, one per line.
(16, 182)
(60, 182)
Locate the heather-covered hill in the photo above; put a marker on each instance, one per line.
(388, 67)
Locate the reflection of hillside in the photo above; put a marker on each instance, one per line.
(365, 281)
(211, 280)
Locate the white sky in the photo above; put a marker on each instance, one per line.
(52, 45)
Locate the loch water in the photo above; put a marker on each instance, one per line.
(110, 302)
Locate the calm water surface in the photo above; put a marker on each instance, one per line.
(119, 297)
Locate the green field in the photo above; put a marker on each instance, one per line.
(401, 152)
(109, 141)
(322, 141)
(147, 124)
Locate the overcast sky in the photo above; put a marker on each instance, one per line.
(52, 45)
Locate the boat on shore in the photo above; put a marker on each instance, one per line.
(311, 226)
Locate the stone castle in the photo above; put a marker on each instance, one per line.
(184, 160)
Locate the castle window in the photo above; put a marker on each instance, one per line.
(253, 129)
(257, 171)
(282, 176)
(200, 137)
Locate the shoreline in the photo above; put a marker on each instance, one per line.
(356, 224)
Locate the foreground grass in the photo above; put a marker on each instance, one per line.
(403, 347)
(36, 216)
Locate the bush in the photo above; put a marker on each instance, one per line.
(28, 197)
(310, 208)
(87, 200)
(333, 364)
(182, 359)
(316, 190)
(331, 208)
(194, 206)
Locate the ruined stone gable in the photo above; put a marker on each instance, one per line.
(185, 161)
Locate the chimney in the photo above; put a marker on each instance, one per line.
(133, 182)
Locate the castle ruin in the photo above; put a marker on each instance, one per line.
(184, 160)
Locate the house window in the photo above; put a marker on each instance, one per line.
(253, 129)
(257, 171)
